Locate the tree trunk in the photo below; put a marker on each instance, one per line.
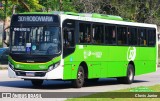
(60, 5)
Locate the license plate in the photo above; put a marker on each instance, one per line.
(29, 74)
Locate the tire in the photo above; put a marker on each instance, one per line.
(130, 76)
(79, 81)
(37, 83)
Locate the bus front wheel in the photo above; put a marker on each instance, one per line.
(130, 76)
(37, 82)
(79, 81)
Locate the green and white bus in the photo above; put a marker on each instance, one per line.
(79, 47)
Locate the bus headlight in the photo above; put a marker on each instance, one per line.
(11, 66)
(53, 66)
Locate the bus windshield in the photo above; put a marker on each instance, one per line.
(38, 40)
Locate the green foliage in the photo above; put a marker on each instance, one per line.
(1, 14)
(20, 6)
(103, 95)
(26, 5)
(138, 10)
(68, 6)
(56, 5)
(50, 4)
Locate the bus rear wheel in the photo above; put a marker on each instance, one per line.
(79, 81)
(130, 76)
(37, 83)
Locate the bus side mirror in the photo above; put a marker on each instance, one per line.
(4, 35)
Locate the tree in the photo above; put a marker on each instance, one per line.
(139, 10)
(19, 6)
(90, 6)
(58, 5)
(26, 5)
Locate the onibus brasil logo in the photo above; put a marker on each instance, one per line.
(131, 53)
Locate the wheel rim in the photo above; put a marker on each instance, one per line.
(80, 77)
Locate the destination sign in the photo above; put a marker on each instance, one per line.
(35, 19)
(24, 20)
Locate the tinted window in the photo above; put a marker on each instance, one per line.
(84, 33)
(68, 33)
(110, 34)
(142, 37)
(122, 35)
(98, 36)
(151, 37)
(68, 37)
(132, 36)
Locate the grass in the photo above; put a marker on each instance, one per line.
(114, 99)
(101, 96)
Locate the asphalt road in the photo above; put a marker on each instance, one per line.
(18, 85)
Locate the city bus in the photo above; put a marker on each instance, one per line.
(80, 47)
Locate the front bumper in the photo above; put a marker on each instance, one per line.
(56, 73)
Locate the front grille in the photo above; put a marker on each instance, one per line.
(36, 74)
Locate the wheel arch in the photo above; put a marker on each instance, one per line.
(132, 63)
(85, 67)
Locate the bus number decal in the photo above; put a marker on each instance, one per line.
(131, 53)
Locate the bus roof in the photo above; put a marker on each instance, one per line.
(94, 17)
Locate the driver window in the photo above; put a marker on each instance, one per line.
(68, 37)
(68, 34)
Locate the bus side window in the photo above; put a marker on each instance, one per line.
(97, 34)
(151, 37)
(84, 33)
(142, 38)
(113, 36)
(110, 35)
(132, 36)
(68, 38)
(122, 35)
